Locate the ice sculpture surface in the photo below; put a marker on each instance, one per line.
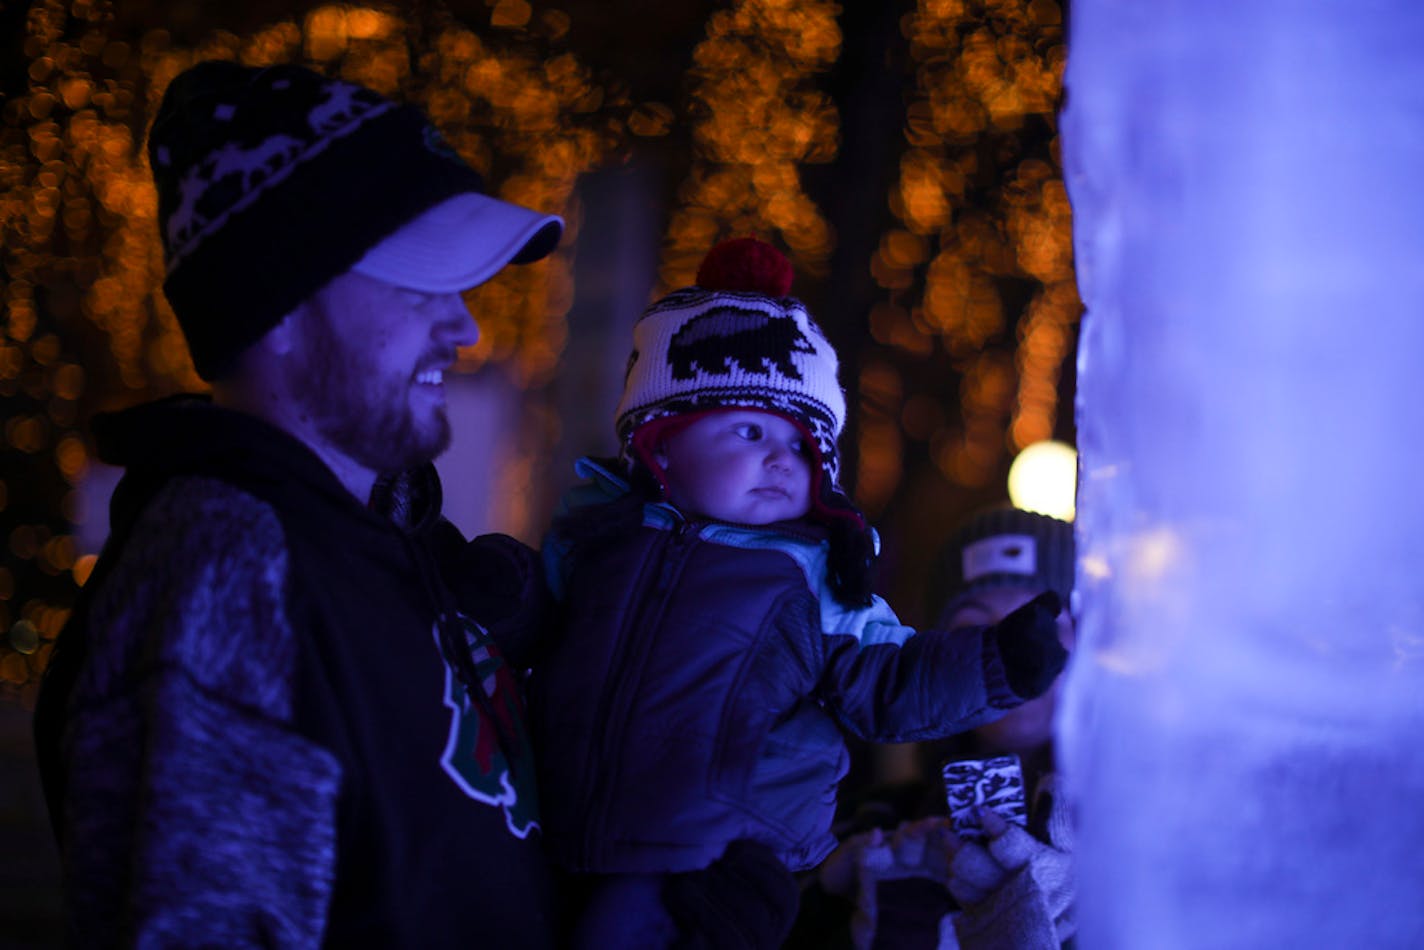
(1244, 720)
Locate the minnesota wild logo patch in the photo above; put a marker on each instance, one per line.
(474, 757)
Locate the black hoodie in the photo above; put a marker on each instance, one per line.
(249, 733)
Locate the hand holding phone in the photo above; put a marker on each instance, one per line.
(995, 783)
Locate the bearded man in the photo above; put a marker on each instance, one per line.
(273, 718)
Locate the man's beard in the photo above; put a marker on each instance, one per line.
(364, 412)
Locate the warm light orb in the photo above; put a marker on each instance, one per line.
(1044, 478)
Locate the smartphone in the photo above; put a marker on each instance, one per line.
(996, 783)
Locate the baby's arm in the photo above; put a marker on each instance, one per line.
(888, 683)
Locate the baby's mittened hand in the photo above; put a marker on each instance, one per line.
(1029, 646)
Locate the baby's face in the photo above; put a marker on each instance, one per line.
(741, 465)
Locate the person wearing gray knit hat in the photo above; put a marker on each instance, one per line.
(281, 712)
(1003, 546)
(999, 559)
(972, 874)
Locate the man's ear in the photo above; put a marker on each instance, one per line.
(263, 373)
(660, 454)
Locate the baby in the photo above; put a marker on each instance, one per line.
(719, 632)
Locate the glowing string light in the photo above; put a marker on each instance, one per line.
(758, 117)
(987, 79)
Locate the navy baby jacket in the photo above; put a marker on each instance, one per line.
(702, 681)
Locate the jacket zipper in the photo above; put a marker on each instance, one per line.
(632, 639)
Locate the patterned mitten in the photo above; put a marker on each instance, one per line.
(1016, 890)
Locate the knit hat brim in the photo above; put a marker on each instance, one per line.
(1003, 546)
(460, 243)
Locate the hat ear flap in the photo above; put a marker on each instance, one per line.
(851, 563)
(854, 549)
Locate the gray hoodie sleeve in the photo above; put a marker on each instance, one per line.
(194, 814)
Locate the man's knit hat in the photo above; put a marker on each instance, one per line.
(1003, 547)
(735, 339)
(273, 181)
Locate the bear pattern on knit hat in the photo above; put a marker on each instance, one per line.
(735, 340)
(273, 181)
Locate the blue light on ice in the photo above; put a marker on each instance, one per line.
(1244, 724)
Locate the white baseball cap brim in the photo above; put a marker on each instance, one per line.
(460, 243)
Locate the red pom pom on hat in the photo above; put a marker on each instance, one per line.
(747, 265)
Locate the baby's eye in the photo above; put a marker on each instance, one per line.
(749, 431)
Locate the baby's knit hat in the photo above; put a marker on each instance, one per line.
(273, 181)
(1003, 547)
(735, 339)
